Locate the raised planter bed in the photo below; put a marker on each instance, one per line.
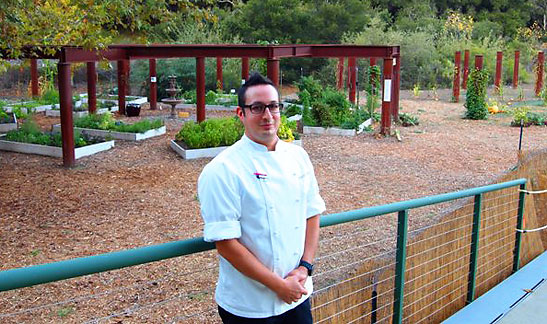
(329, 131)
(212, 107)
(117, 135)
(78, 114)
(209, 152)
(6, 127)
(53, 150)
(114, 98)
(26, 110)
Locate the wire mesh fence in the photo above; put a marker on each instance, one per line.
(355, 281)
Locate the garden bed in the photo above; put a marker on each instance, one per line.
(329, 131)
(116, 135)
(79, 114)
(11, 124)
(26, 110)
(53, 150)
(210, 152)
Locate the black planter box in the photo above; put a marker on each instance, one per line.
(132, 110)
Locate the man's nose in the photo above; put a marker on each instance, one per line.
(267, 113)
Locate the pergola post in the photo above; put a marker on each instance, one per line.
(219, 84)
(386, 96)
(396, 84)
(34, 78)
(539, 76)
(340, 74)
(91, 87)
(516, 70)
(244, 69)
(273, 70)
(478, 62)
(153, 84)
(200, 88)
(352, 78)
(65, 100)
(122, 85)
(497, 79)
(465, 68)
(456, 83)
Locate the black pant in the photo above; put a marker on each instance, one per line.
(298, 315)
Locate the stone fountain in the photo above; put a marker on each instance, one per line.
(172, 91)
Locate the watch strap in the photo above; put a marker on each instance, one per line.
(306, 265)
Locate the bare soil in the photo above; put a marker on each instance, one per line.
(142, 193)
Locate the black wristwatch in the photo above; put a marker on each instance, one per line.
(306, 265)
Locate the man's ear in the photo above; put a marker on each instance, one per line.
(239, 112)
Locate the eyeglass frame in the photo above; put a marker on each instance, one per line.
(262, 110)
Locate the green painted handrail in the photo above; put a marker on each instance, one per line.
(49, 272)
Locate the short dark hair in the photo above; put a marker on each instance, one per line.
(254, 80)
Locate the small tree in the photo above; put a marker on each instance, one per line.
(475, 100)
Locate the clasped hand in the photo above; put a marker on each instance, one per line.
(293, 288)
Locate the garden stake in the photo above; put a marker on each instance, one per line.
(520, 137)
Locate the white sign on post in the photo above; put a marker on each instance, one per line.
(152, 79)
(387, 90)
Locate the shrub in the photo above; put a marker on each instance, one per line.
(520, 114)
(285, 132)
(475, 101)
(292, 110)
(50, 97)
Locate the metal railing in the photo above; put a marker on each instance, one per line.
(44, 273)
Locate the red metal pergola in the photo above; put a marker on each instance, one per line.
(272, 53)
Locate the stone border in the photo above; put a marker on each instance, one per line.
(329, 131)
(53, 150)
(209, 152)
(117, 135)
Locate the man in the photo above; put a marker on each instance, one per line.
(260, 203)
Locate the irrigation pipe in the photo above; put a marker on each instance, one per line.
(533, 192)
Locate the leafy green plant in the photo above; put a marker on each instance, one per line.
(107, 122)
(372, 88)
(475, 101)
(292, 110)
(212, 132)
(406, 119)
(29, 132)
(285, 132)
(520, 114)
(416, 90)
(50, 96)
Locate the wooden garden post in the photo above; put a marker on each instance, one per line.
(539, 76)
(35, 91)
(67, 127)
(91, 87)
(386, 96)
(153, 84)
(456, 83)
(516, 70)
(219, 84)
(497, 79)
(465, 68)
(244, 69)
(200, 88)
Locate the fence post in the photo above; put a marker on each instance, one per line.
(352, 63)
(244, 69)
(539, 75)
(456, 83)
(386, 97)
(340, 74)
(91, 87)
(518, 236)
(200, 89)
(478, 62)
(474, 249)
(153, 84)
(219, 84)
(465, 69)
(516, 70)
(402, 231)
(497, 79)
(35, 91)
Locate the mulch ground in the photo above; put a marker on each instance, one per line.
(142, 193)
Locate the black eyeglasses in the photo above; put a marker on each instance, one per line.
(258, 108)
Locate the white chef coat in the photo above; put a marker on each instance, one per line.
(263, 198)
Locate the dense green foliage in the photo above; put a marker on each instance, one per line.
(528, 118)
(107, 122)
(328, 107)
(212, 132)
(475, 101)
(29, 132)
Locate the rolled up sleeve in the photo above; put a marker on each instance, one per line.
(220, 204)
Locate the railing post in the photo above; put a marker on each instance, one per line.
(518, 236)
(402, 231)
(474, 249)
